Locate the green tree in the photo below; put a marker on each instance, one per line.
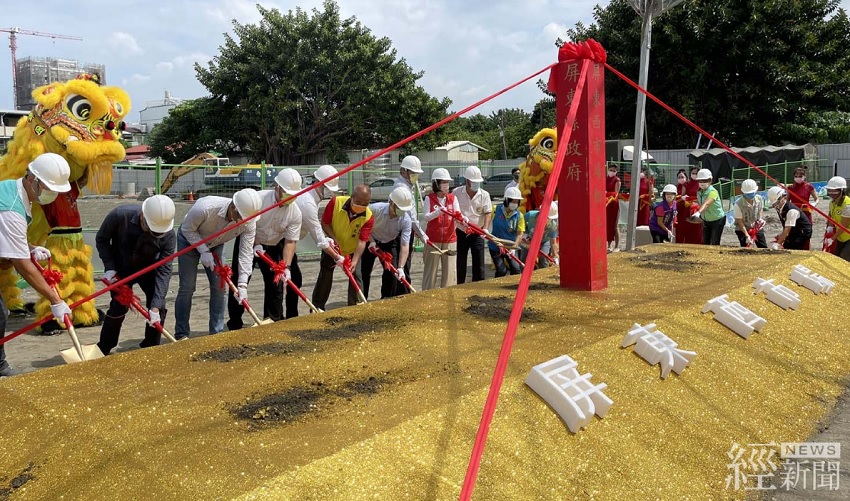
(296, 84)
(745, 68)
(193, 127)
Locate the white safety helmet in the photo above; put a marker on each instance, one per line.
(669, 188)
(440, 175)
(52, 170)
(325, 172)
(247, 202)
(704, 175)
(749, 186)
(403, 198)
(553, 210)
(774, 194)
(290, 180)
(836, 183)
(412, 163)
(159, 213)
(513, 193)
(473, 174)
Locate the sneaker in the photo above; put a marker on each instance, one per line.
(8, 371)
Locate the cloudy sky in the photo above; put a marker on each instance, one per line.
(466, 48)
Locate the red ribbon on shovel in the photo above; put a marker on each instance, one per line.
(278, 268)
(387, 260)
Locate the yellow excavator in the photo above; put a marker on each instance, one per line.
(184, 168)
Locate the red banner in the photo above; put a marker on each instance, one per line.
(581, 185)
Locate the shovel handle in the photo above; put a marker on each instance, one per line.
(268, 261)
(69, 324)
(235, 291)
(138, 307)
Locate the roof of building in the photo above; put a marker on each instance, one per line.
(457, 144)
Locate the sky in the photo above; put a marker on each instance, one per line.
(467, 49)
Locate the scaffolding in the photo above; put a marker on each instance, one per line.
(34, 72)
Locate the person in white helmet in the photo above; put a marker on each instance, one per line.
(308, 204)
(796, 228)
(508, 224)
(207, 217)
(440, 230)
(749, 216)
(277, 234)
(835, 239)
(409, 172)
(46, 176)
(131, 238)
(390, 233)
(475, 205)
(802, 194)
(549, 244)
(663, 215)
(710, 209)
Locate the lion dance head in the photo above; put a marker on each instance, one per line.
(534, 172)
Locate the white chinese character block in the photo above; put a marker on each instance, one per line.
(777, 294)
(569, 393)
(812, 281)
(656, 348)
(734, 316)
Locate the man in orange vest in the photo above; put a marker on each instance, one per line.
(348, 221)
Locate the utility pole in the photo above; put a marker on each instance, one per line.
(13, 45)
(502, 135)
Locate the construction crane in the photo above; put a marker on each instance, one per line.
(13, 44)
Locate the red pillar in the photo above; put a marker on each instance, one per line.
(581, 184)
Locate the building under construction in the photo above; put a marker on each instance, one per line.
(33, 72)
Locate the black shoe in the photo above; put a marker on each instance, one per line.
(50, 328)
(8, 371)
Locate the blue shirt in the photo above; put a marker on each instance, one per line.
(507, 227)
(550, 231)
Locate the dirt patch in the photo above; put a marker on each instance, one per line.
(746, 251)
(539, 286)
(669, 261)
(242, 351)
(496, 308)
(17, 482)
(281, 408)
(346, 328)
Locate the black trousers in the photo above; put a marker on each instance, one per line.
(658, 238)
(272, 292)
(712, 231)
(470, 243)
(504, 264)
(111, 327)
(325, 281)
(390, 285)
(292, 298)
(761, 242)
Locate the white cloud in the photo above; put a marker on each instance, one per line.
(127, 43)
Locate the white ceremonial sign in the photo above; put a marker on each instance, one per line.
(657, 348)
(734, 316)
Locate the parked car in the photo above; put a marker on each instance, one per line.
(381, 189)
(495, 184)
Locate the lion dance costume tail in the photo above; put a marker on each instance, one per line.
(81, 121)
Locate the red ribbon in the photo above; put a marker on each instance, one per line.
(223, 271)
(589, 49)
(52, 277)
(279, 270)
(124, 295)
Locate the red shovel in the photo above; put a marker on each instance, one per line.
(387, 260)
(346, 267)
(224, 273)
(276, 268)
(125, 296)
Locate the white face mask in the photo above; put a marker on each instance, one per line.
(643, 175)
(513, 206)
(704, 186)
(473, 186)
(414, 177)
(669, 197)
(47, 197)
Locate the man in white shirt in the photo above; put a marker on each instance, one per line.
(476, 205)
(278, 231)
(391, 233)
(308, 203)
(46, 176)
(207, 217)
(411, 168)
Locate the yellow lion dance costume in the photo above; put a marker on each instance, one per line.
(81, 121)
(534, 172)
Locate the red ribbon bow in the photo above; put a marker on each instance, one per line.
(52, 277)
(589, 49)
(223, 271)
(279, 269)
(124, 295)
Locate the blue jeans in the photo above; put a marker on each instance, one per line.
(542, 262)
(187, 273)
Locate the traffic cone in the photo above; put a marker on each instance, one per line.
(191, 196)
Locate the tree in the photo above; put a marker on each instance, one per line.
(296, 84)
(484, 131)
(193, 127)
(745, 68)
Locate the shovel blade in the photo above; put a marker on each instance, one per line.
(90, 351)
(265, 321)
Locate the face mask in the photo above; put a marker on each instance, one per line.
(516, 177)
(704, 186)
(833, 195)
(642, 175)
(444, 187)
(749, 196)
(612, 173)
(799, 180)
(682, 180)
(414, 178)
(473, 186)
(513, 206)
(669, 197)
(693, 177)
(47, 197)
(358, 209)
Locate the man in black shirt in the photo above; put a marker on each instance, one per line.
(130, 239)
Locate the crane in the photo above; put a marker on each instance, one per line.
(13, 44)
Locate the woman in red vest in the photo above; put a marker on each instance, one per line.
(645, 199)
(687, 232)
(441, 232)
(612, 208)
